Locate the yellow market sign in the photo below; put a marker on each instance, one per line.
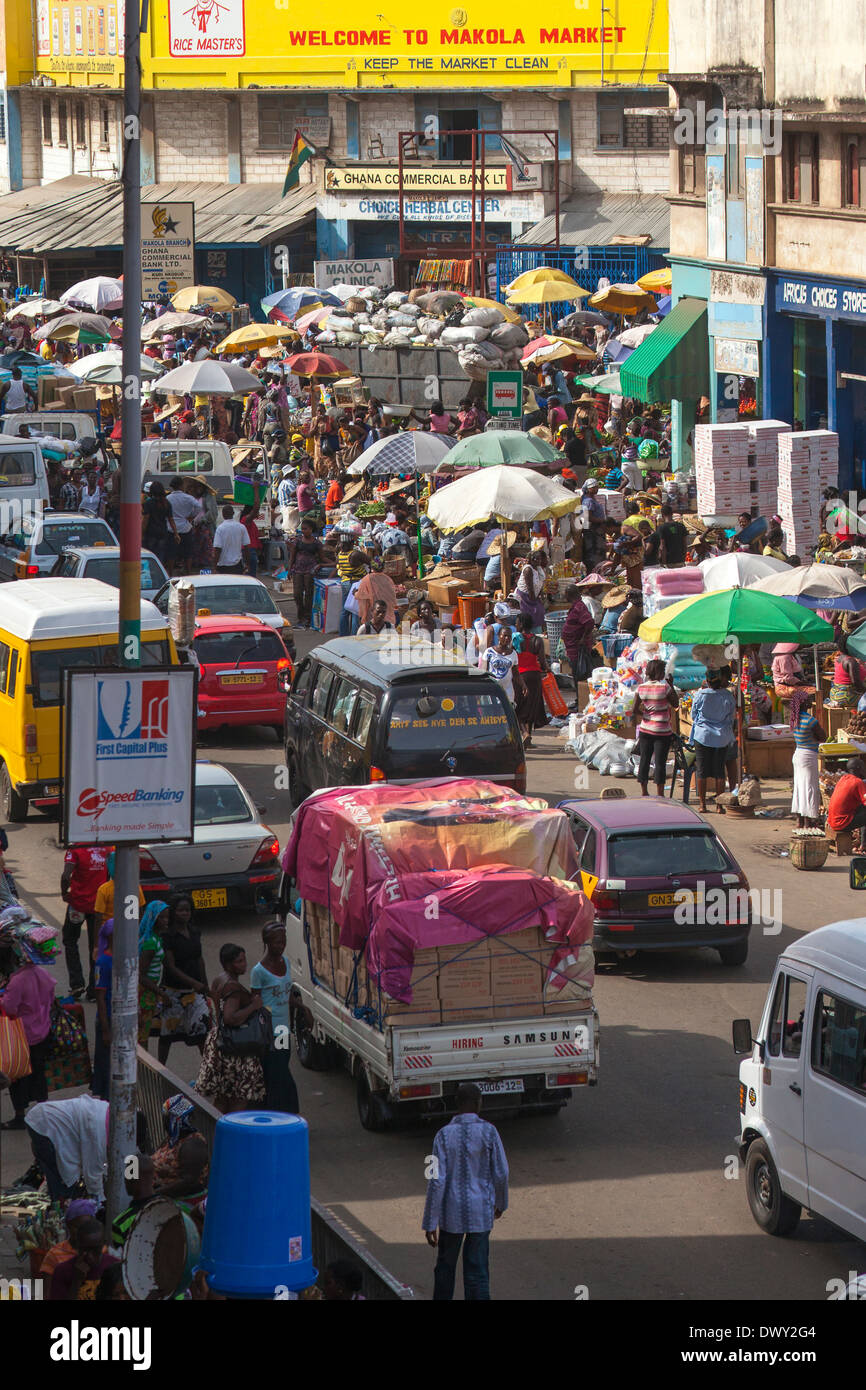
(246, 43)
(433, 179)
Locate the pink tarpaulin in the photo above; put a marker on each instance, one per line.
(447, 909)
(354, 843)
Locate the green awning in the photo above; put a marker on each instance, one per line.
(673, 362)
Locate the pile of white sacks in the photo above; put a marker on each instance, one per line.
(482, 338)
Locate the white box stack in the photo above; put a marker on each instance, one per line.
(824, 452)
(799, 494)
(722, 469)
(764, 462)
(613, 502)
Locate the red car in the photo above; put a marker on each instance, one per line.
(243, 671)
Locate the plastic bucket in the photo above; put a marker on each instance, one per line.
(160, 1252)
(257, 1238)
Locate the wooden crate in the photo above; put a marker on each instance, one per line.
(771, 758)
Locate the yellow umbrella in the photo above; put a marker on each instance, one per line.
(622, 299)
(656, 279)
(561, 347)
(203, 297)
(510, 315)
(540, 276)
(548, 292)
(254, 335)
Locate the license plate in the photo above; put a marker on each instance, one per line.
(672, 899)
(210, 897)
(241, 679)
(498, 1088)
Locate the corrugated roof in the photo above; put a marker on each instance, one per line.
(591, 219)
(78, 214)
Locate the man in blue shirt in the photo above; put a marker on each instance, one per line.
(466, 1192)
(713, 712)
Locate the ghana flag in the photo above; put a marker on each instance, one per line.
(301, 152)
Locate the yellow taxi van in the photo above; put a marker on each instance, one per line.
(46, 626)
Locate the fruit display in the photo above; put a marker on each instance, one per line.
(857, 725)
(370, 509)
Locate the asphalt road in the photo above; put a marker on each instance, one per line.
(631, 1192)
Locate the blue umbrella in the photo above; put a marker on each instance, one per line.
(285, 305)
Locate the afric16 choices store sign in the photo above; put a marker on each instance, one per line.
(129, 755)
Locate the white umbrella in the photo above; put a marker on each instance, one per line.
(502, 491)
(35, 308)
(633, 337)
(172, 323)
(414, 451)
(818, 586)
(738, 571)
(106, 367)
(208, 378)
(102, 292)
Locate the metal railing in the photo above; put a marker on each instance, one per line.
(332, 1239)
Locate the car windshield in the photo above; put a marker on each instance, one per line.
(459, 719)
(17, 469)
(108, 570)
(47, 666)
(223, 804)
(234, 598)
(659, 854)
(234, 647)
(56, 535)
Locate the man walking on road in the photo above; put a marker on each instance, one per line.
(466, 1192)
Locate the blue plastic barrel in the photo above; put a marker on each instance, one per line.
(257, 1240)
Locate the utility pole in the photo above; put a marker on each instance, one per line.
(124, 969)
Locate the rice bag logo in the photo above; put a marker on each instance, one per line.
(131, 718)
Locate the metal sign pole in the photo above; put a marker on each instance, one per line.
(124, 971)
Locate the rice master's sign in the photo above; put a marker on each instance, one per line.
(129, 740)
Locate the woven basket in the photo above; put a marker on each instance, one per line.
(808, 851)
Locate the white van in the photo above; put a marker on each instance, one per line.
(23, 482)
(803, 1087)
(168, 458)
(69, 425)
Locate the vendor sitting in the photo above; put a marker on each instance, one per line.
(849, 676)
(847, 807)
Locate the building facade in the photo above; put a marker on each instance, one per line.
(768, 210)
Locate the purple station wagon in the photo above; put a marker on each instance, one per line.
(665, 879)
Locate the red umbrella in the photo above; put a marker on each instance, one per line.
(317, 364)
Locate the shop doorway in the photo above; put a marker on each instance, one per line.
(810, 374)
(457, 147)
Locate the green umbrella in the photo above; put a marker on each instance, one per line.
(743, 613)
(500, 446)
(607, 385)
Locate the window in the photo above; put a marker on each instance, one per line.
(104, 125)
(321, 691)
(235, 598)
(344, 705)
(854, 171)
(839, 1041)
(363, 719)
(587, 854)
(238, 648)
(62, 123)
(460, 720)
(47, 667)
(220, 805)
(80, 125)
(46, 122)
(17, 470)
(795, 1017)
(774, 1033)
(630, 121)
(691, 147)
(302, 681)
(278, 118)
(58, 534)
(5, 654)
(649, 855)
(2, 118)
(800, 168)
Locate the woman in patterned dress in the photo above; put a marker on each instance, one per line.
(232, 1083)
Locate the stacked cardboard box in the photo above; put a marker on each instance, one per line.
(722, 471)
(613, 503)
(799, 494)
(824, 453)
(764, 462)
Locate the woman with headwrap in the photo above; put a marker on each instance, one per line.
(153, 926)
(185, 1015)
(173, 1159)
(374, 586)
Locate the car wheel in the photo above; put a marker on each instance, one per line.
(12, 806)
(774, 1212)
(736, 953)
(311, 1054)
(372, 1109)
(297, 791)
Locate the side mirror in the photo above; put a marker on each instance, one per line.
(857, 873)
(741, 1030)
